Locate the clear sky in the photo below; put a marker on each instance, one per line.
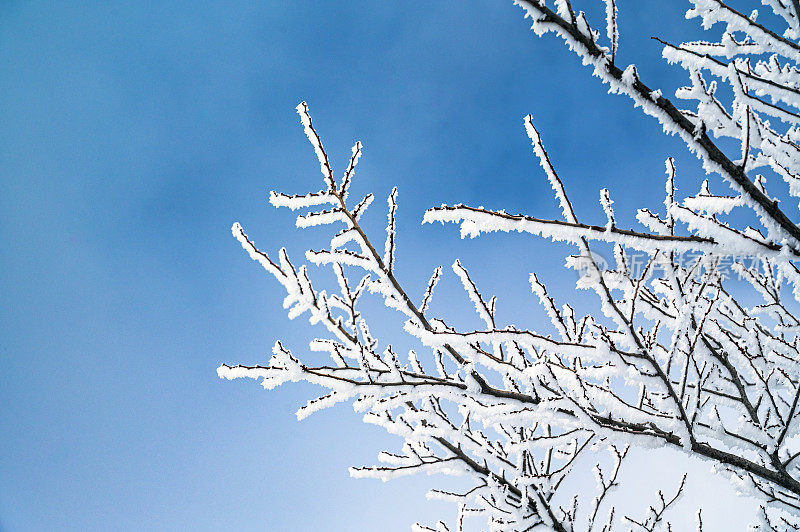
(133, 134)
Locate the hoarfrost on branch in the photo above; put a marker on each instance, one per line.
(673, 356)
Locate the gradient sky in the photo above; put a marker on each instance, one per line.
(132, 135)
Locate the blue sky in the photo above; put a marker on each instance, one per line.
(133, 134)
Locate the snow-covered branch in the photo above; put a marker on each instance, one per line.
(694, 344)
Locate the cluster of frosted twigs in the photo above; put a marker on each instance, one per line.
(677, 355)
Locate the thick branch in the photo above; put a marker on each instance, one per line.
(687, 129)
